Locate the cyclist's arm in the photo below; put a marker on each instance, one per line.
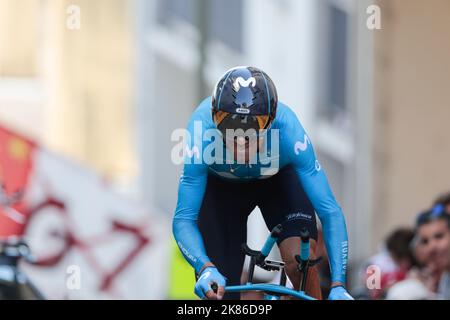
(317, 188)
(185, 229)
(191, 190)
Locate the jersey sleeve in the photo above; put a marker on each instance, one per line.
(299, 149)
(191, 189)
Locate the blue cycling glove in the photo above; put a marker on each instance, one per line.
(209, 276)
(339, 293)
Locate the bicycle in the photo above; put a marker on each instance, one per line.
(14, 284)
(259, 259)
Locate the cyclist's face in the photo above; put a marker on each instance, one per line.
(244, 148)
(434, 243)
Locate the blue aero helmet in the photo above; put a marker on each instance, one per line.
(244, 98)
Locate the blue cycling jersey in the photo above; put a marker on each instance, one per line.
(286, 143)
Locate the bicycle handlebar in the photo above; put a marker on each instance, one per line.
(269, 288)
(260, 258)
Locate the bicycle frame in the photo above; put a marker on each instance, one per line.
(259, 258)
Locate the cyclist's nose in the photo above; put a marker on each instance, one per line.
(241, 141)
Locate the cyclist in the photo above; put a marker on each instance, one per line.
(246, 149)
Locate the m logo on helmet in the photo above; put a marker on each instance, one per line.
(240, 82)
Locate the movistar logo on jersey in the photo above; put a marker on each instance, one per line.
(301, 145)
(190, 153)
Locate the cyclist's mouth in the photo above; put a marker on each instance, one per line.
(244, 150)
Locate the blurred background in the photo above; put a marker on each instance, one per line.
(95, 89)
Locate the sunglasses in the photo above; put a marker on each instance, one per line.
(233, 121)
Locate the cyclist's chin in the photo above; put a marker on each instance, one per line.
(244, 156)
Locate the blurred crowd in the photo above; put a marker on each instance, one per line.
(412, 263)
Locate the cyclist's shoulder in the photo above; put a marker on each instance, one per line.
(203, 113)
(286, 119)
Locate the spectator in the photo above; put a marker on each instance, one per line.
(444, 284)
(441, 213)
(445, 201)
(394, 261)
(418, 283)
(398, 245)
(432, 252)
(433, 235)
(409, 289)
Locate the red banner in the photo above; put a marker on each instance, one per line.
(16, 163)
(74, 221)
